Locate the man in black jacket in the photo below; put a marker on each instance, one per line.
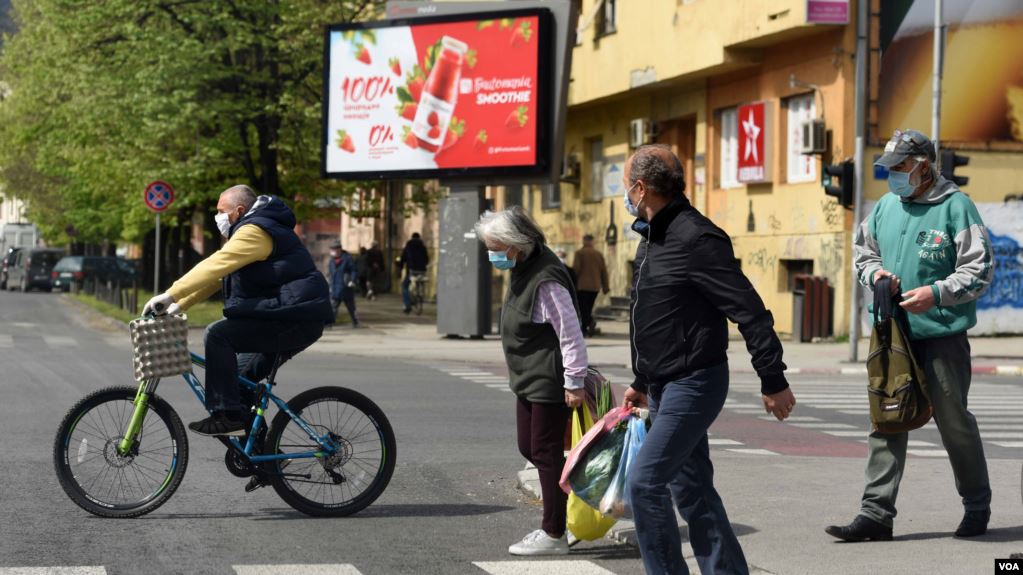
(686, 284)
(414, 259)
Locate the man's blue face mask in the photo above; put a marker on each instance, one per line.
(501, 260)
(899, 184)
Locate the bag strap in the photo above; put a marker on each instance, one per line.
(883, 301)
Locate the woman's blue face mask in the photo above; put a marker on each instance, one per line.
(501, 260)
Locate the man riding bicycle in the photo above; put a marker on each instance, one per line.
(414, 259)
(276, 302)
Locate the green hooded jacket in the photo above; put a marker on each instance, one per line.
(936, 240)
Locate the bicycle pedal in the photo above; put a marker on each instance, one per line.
(255, 482)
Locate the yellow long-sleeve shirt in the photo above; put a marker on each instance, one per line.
(248, 244)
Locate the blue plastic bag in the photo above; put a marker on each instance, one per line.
(616, 501)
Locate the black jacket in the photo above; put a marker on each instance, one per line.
(414, 257)
(686, 283)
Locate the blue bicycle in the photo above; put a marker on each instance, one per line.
(122, 452)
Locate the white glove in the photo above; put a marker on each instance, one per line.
(158, 305)
(174, 309)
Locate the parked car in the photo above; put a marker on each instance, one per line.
(7, 262)
(74, 270)
(31, 269)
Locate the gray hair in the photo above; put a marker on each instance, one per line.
(666, 178)
(512, 227)
(241, 195)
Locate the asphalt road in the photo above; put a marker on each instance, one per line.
(452, 506)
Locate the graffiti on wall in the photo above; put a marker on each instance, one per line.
(1006, 289)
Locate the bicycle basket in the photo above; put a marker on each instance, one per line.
(160, 346)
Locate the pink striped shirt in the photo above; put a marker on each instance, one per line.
(554, 306)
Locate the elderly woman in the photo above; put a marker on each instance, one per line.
(546, 356)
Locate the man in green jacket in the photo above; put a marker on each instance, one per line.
(928, 237)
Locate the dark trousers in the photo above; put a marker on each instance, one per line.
(541, 434)
(675, 462)
(946, 364)
(586, 301)
(253, 345)
(348, 296)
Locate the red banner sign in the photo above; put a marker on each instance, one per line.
(752, 135)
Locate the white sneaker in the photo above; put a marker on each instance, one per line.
(539, 543)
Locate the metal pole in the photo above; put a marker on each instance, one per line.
(939, 55)
(156, 258)
(860, 104)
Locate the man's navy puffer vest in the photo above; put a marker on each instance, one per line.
(285, 286)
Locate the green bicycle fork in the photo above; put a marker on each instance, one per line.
(141, 404)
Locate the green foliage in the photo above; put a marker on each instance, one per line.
(108, 96)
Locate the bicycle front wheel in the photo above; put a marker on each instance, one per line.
(101, 480)
(347, 481)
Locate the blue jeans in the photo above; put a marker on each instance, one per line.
(252, 345)
(675, 462)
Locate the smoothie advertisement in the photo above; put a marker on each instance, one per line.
(452, 96)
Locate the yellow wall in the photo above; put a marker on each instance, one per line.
(676, 40)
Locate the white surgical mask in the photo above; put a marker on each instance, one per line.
(223, 223)
(629, 207)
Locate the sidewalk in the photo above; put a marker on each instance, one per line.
(390, 333)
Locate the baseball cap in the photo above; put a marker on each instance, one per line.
(905, 143)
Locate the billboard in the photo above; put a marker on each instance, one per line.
(982, 84)
(445, 97)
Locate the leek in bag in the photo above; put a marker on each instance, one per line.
(592, 475)
(585, 522)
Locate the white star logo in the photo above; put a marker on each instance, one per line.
(752, 133)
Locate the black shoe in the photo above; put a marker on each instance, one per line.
(862, 528)
(407, 310)
(262, 480)
(974, 523)
(219, 424)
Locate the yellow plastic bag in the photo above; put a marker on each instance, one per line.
(585, 522)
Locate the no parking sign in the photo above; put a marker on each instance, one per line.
(158, 196)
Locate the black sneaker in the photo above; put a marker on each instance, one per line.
(261, 479)
(219, 424)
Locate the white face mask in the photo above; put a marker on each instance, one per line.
(223, 223)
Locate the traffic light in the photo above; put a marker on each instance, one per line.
(949, 162)
(844, 190)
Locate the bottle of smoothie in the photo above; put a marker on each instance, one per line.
(437, 103)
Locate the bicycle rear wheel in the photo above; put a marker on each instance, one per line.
(418, 300)
(105, 483)
(343, 483)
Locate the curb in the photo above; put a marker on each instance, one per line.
(1002, 370)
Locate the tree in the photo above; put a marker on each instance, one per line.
(107, 96)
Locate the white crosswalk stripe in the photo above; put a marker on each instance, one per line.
(6, 340)
(60, 341)
(575, 567)
(321, 569)
(999, 412)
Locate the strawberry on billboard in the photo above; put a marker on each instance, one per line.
(465, 95)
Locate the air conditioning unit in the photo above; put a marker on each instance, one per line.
(640, 132)
(814, 137)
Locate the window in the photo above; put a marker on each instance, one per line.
(729, 164)
(595, 147)
(790, 269)
(801, 168)
(607, 18)
(550, 196)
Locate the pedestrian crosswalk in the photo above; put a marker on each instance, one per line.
(487, 379)
(537, 566)
(826, 406)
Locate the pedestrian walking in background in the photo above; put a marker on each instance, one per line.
(687, 283)
(362, 272)
(342, 281)
(928, 237)
(377, 279)
(414, 259)
(591, 274)
(546, 357)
